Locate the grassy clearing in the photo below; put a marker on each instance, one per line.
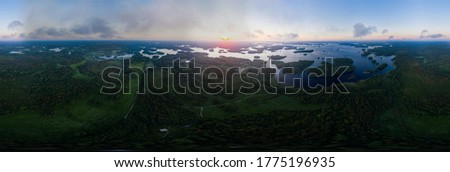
(77, 74)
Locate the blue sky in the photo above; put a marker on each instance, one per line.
(261, 20)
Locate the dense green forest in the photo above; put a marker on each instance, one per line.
(52, 101)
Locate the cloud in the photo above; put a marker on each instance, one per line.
(424, 32)
(334, 29)
(292, 36)
(436, 36)
(260, 34)
(385, 31)
(90, 29)
(15, 25)
(424, 35)
(193, 19)
(250, 35)
(94, 26)
(359, 30)
(259, 31)
(286, 36)
(391, 37)
(11, 36)
(49, 32)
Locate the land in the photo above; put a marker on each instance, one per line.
(51, 101)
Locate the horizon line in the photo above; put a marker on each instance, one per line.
(242, 41)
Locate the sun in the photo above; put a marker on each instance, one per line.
(224, 38)
(225, 42)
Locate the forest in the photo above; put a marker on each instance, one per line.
(52, 101)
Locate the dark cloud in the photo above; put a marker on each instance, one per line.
(15, 25)
(95, 26)
(359, 30)
(385, 31)
(436, 36)
(391, 37)
(424, 32)
(49, 32)
(424, 35)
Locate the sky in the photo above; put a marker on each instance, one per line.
(240, 20)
